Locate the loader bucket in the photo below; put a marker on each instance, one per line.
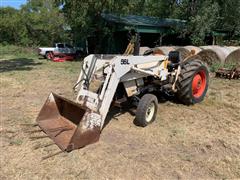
(63, 121)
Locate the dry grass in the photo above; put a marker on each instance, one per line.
(201, 141)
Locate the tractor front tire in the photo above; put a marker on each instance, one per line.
(146, 110)
(192, 82)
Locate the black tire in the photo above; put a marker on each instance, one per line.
(48, 55)
(143, 106)
(188, 91)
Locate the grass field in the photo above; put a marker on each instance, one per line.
(189, 142)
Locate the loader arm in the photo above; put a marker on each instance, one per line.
(108, 96)
(98, 102)
(117, 68)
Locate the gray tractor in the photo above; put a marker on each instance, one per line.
(108, 80)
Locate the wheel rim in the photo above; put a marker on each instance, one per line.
(199, 84)
(150, 112)
(49, 55)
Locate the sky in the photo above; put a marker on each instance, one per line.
(12, 3)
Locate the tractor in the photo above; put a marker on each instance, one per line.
(109, 80)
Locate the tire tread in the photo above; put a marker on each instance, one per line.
(141, 109)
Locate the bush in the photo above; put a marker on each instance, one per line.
(17, 50)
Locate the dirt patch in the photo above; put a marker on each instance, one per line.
(200, 141)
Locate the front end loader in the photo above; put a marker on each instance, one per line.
(107, 80)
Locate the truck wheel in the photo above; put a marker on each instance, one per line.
(192, 83)
(49, 55)
(146, 110)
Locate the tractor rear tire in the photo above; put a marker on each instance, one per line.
(192, 82)
(146, 110)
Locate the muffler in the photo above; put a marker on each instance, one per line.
(68, 124)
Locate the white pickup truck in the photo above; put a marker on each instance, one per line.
(60, 48)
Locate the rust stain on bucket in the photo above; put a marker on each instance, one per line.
(63, 121)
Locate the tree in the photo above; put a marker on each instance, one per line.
(204, 22)
(11, 26)
(230, 13)
(44, 22)
(206, 16)
(159, 8)
(47, 21)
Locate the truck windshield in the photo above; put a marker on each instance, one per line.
(60, 45)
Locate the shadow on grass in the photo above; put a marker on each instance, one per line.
(19, 64)
(115, 112)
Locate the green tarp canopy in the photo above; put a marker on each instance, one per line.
(143, 24)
